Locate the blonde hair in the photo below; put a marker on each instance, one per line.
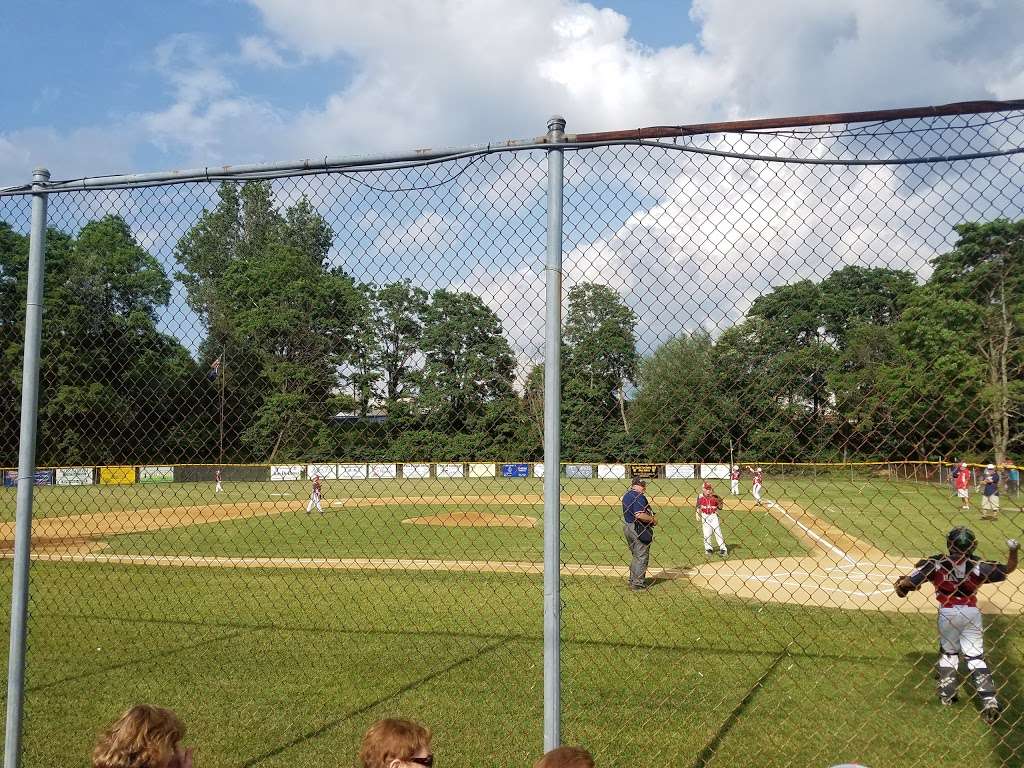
(392, 739)
(566, 757)
(143, 737)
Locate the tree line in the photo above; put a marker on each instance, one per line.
(866, 363)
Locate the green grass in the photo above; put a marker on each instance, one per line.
(288, 667)
(276, 668)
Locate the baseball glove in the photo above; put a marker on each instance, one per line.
(902, 586)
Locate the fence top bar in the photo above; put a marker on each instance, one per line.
(671, 131)
(328, 163)
(252, 169)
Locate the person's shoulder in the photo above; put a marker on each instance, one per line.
(931, 559)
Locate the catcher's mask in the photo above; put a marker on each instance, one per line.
(961, 542)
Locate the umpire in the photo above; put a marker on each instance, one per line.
(639, 521)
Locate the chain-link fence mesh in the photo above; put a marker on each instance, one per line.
(290, 446)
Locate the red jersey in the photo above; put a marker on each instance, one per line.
(734, 475)
(708, 505)
(216, 475)
(758, 478)
(963, 480)
(316, 486)
(957, 585)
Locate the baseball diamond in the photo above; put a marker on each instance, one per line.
(787, 565)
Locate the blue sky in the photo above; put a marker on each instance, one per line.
(100, 64)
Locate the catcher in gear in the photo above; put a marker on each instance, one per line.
(956, 577)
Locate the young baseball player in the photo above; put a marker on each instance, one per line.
(734, 480)
(956, 577)
(314, 499)
(217, 477)
(709, 504)
(990, 493)
(758, 483)
(963, 485)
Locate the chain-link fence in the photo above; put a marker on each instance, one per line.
(289, 472)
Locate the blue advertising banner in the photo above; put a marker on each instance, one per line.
(515, 470)
(44, 477)
(10, 478)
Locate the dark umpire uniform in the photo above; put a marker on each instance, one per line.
(638, 528)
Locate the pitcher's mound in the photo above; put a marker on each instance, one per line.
(474, 520)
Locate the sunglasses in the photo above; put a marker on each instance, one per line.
(428, 761)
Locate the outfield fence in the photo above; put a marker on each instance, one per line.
(302, 445)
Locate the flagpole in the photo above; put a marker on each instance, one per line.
(222, 374)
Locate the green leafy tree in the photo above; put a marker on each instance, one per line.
(112, 387)
(468, 361)
(986, 269)
(280, 316)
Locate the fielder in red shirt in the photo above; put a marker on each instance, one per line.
(709, 504)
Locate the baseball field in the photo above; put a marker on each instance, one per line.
(280, 635)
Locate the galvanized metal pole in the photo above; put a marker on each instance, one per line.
(553, 444)
(26, 471)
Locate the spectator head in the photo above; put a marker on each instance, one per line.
(639, 483)
(566, 757)
(143, 737)
(396, 744)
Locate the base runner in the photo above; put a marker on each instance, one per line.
(314, 499)
(956, 577)
(758, 483)
(709, 504)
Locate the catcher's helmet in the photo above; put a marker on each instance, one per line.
(961, 541)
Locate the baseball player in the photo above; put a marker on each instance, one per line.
(990, 493)
(217, 477)
(314, 499)
(956, 577)
(734, 480)
(963, 485)
(709, 504)
(758, 483)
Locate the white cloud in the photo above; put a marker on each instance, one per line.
(261, 53)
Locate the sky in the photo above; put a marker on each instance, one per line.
(121, 86)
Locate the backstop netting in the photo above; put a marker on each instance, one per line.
(291, 444)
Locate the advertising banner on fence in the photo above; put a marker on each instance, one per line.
(156, 474)
(481, 470)
(647, 471)
(611, 471)
(515, 470)
(44, 477)
(679, 471)
(282, 472)
(538, 470)
(416, 471)
(117, 475)
(714, 471)
(351, 471)
(383, 471)
(10, 478)
(325, 471)
(75, 476)
(579, 471)
(448, 470)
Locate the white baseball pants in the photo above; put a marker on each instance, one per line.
(712, 527)
(735, 487)
(314, 501)
(960, 631)
(757, 492)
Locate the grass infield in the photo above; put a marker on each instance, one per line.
(288, 667)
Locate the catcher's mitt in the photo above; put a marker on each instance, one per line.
(902, 587)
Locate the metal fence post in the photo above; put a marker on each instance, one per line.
(26, 471)
(553, 443)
